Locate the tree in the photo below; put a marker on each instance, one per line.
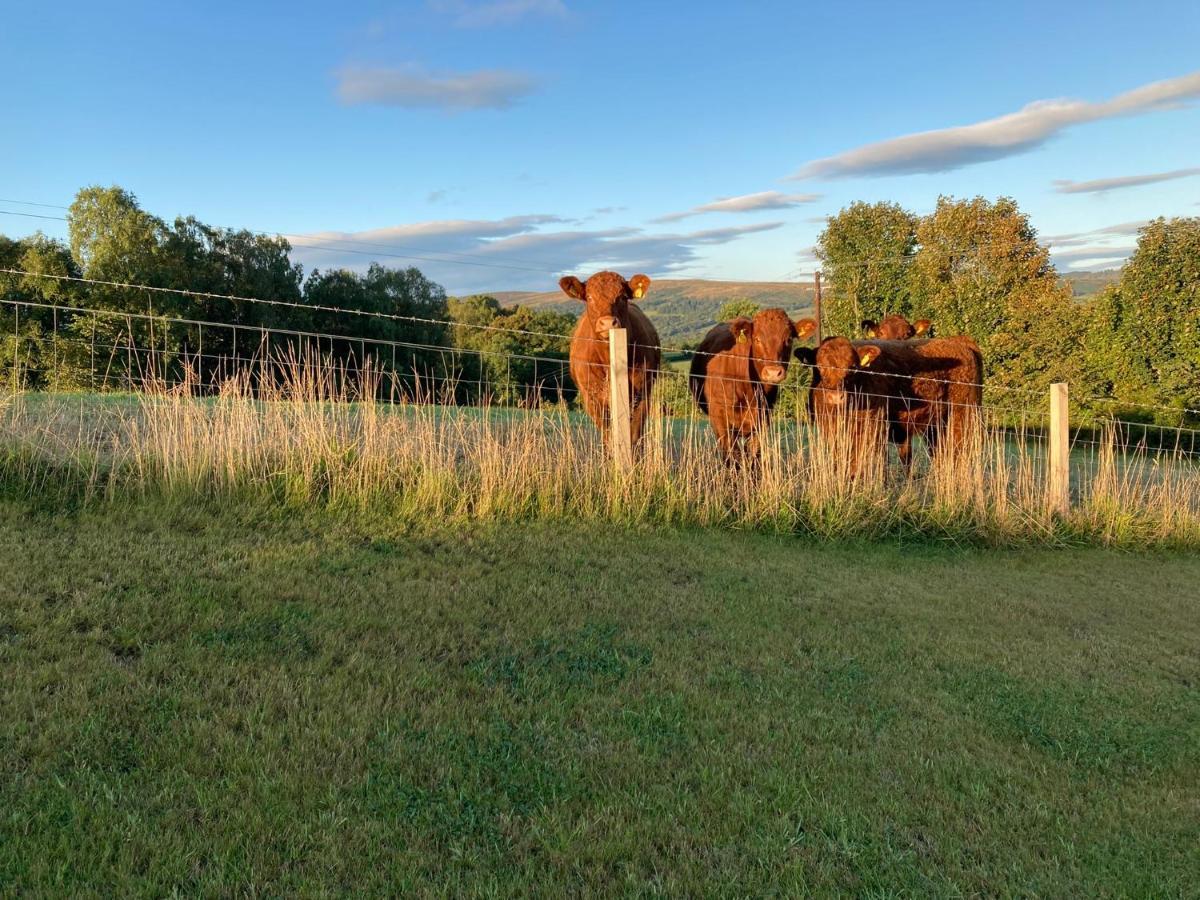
(865, 252)
(1145, 339)
(738, 306)
(516, 355)
(981, 271)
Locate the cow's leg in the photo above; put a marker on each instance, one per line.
(637, 420)
(727, 442)
(596, 406)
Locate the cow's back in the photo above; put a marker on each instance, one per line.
(712, 360)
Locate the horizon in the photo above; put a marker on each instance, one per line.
(532, 161)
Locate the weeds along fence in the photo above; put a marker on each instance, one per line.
(101, 401)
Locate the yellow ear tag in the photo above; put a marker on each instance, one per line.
(741, 338)
(864, 359)
(638, 293)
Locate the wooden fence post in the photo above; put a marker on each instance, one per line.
(1060, 448)
(618, 398)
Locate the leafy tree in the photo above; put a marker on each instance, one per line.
(866, 251)
(1145, 339)
(739, 306)
(519, 354)
(393, 292)
(981, 271)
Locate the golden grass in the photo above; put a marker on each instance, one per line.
(320, 436)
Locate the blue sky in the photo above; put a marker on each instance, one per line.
(533, 137)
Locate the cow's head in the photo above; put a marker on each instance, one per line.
(607, 296)
(768, 341)
(895, 328)
(837, 365)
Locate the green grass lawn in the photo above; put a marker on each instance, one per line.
(214, 702)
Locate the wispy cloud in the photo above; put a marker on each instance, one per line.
(518, 252)
(952, 148)
(476, 14)
(411, 87)
(1124, 181)
(744, 203)
(1091, 257)
(1078, 238)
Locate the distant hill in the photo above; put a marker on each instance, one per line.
(684, 309)
(1084, 284)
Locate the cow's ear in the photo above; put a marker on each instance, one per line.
(572, 287)
(741, 328)
(921, 326)
(804, 327)
(870, 328)
(868, 355)
(805, 355)
(638, 284)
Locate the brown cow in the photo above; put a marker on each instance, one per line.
(932, 388)
(851, 400)
(736, 373)
(895, 328)
(607, 296)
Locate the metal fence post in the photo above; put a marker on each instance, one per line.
(618, 398)
(1060, 448)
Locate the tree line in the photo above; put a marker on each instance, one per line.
(972, 266)
(422, 340)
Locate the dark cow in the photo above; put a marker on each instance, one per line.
(895, 328)
(903, 388)
(608, 299)
(736, 373)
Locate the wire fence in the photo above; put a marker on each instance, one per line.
(91, 349)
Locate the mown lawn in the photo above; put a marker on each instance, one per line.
(216, 702)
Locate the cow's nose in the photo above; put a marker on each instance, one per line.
(774, 374)
(606, 324)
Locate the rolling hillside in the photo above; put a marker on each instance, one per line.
(683, 310)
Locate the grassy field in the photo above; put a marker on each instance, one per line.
(209, 701)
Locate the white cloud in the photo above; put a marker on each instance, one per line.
(412, 87)
(1078, 238)
(514, 253)
(1007, 135)
(1091, 257)
(1112, 184)
(469, 14)
(745, 203)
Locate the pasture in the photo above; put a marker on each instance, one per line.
(204, 698)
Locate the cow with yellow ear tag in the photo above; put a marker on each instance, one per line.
(736, 373)
(610, 302)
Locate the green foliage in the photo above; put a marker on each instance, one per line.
(113, 239)
(866, 251)
(514, 355)
(1144, 343)
(981, 271)
(738, 307)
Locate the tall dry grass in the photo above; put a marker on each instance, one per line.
(317, 436)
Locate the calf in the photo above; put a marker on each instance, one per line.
(736, 373)
(895, 328)
(852, 399)
(608, 299)
(933, 388)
